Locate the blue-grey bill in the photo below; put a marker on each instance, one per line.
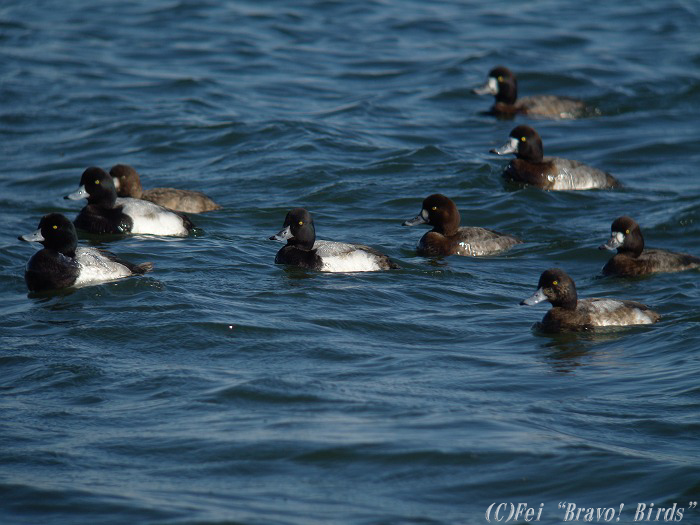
(535, 298)
(613, 243)
(80, 193)
(32, 237)
(419, 219)
(509, 147)
(283, 234)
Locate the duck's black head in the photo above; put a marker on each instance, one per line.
(55, 232)
(298, 229)
(97, 186)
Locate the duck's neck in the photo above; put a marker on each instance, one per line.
(304, 239)
(507, 93)
(449, 222)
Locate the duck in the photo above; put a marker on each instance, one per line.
(303, 250)
(106, 213)
(632, 260)
(571, 314)
(548, 173)
(503, 85)
(448, 238)
(128, 184)
(63, 264)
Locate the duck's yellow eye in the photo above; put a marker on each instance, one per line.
(500, 79)
(434, 208)
(555, 283)
(97, 181)
(523, 139)
(627, 232)
(301, 223)
(55, 227)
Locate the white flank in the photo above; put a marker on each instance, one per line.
(149, 218)
(609, 312)
(574, 175)
(95, 267)
(343, 257)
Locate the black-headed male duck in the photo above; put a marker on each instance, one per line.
(106, 213)
(62, 263)
(302, 249)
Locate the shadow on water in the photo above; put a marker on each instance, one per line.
(567, 351)
(297, 273)
(47, 295)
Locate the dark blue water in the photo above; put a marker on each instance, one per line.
(223, 389)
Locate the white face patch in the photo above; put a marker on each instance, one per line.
(424, 213)
(619, 237)
(514, 144)
(493, 85)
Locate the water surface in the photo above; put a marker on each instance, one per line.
(224, 389)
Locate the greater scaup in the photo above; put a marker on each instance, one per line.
(503, 85)
(448, 238)
(105, 213)
(62, 263)
(302, 249)
(568, 313)
(632, 260)
(128, 184)
(549, 173)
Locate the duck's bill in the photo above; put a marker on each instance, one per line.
(490, 88)
(535, 298)
(80, 193)
(283, 235)
(32, 237)
(418, 219)
(509, 147)
(615, 241)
